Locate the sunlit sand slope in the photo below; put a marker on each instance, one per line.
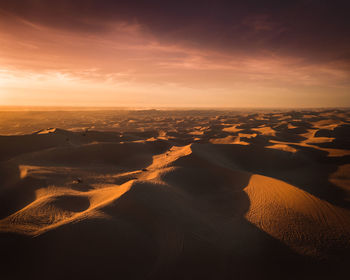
(297, 218)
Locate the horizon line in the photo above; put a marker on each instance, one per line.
(160, 108)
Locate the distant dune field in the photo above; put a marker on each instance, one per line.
(193, 194)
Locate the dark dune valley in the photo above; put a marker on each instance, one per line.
(175, 194)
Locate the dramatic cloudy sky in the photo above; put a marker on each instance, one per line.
(175, 53)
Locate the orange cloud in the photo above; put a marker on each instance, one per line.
(129, 66)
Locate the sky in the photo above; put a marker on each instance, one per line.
(218, 53)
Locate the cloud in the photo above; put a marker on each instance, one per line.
(303, 27)
(212, 51)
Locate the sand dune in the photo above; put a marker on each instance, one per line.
(297, 218)
(196, 195)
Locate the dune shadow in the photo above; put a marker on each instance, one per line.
(71, 203)
(18, 195)
(81, 187)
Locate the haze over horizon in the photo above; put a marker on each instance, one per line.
(175, 54)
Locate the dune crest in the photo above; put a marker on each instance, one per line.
(43, 213)
(53, 207)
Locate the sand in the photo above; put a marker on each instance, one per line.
(175, 195)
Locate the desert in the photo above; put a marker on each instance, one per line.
(175, 194)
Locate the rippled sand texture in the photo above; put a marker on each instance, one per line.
(175, 194)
